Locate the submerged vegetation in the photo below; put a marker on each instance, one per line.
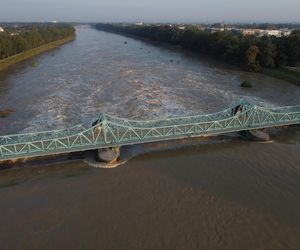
(6, 112)
(246, 84)
(34, 65)
(251, 52)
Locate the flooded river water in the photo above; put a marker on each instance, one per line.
(213, 193)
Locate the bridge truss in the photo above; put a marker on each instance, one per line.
(111, 131)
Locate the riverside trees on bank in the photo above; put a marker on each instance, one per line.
(30, 37)
(254, 53)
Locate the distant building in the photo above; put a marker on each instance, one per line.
(139, 23)
(250, 32)
(246, 32)
(286, 32)
(54, 21)
(214, 30)
(181, 27)
(276, 33)
(260, 33)
(1, 29)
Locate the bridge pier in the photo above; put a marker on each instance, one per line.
(254, 135)
(108, 155)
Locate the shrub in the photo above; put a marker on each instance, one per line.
(246, 84)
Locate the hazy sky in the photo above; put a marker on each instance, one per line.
(151, 10)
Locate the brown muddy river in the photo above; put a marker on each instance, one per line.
(212, 193)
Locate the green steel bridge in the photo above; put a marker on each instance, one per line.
(109, 131)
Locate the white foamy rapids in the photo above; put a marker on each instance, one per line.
(66, 105)
(79, 101)
(102, 76)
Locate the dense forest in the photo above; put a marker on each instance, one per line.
(17, 40)
(250, 51)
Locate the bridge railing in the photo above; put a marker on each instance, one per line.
(251, 118)
(120, 133)
(44, 135)
(227, 113)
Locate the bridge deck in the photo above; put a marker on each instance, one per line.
(111, 131)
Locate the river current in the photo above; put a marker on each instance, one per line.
(212, 193)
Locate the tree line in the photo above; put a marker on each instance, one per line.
(252, 52)
(15, 41)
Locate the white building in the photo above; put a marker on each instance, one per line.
(260, 33)
(14, 33)
(139, 23)
(286, 32)
(250, 32)
(214, 30)
(1, 29)
(276, 33)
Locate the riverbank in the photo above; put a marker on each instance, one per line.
(244, 52)
(286, 74)
(30, 53)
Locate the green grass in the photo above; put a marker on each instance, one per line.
(289, 75)
(293, 69)
(30, 53)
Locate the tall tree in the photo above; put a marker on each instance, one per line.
(251, 54)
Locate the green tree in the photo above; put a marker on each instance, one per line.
(267, 53)
(251, 54)
(293, 49)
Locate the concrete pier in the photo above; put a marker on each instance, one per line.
(108, 155)
(254, 135)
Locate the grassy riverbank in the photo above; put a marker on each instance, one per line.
(30, 53)
(289, 75)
